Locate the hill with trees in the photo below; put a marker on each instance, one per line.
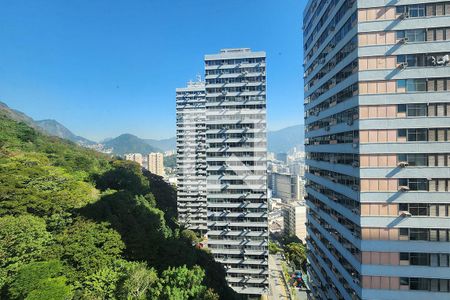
(75, 224)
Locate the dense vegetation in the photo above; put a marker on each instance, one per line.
(75, 224)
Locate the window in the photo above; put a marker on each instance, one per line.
(418, 184)
(401, 84)
(417, 135)
(401, 132)
(404, 281)
(401, 108)
(417, 10)
(418, 234)
(417, 110)
(400, 9)
(415, 35)
(416, 85)
(419, 259)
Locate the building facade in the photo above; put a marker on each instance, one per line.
(294, 215)
(136, 157)
(287, 187)
(377, 115)
(236, 171)
(191, 156)
(155, 163)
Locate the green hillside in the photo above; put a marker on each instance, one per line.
(75, 224)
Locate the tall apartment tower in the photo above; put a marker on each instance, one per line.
(377, 113)
(236, 166)
(191, 156)
(156, 163)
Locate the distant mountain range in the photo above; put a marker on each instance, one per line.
(128, 143)
(285, 139)
(55, 128)
(281, 140)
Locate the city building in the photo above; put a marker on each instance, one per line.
(237, 170)
(377, 108)
(286, 186)
(191, 156)
(136, 157)
(295, 219)
(156, 163)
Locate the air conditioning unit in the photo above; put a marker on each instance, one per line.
(355, 187)
(403, 188)
(355, 145)
(403, 40)
(355, 211)
(355, 164)
(403, 16)
(327, 128)
(350, 122)
(404, 213)
(402, 65)
(403, 164)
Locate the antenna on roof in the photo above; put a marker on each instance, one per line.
(199, 78)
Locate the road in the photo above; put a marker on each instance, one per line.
(277, 288)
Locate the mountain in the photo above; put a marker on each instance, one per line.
(165, 144)
(285, 139)
(17, 115)
(55, 128)
(50, 127)
(128, 143)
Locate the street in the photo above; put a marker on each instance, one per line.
(277, 286)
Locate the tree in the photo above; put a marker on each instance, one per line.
(102, 284)
(180, 284)
(89, 247)
(273, 248)
(210, 295)
(22, 240)
(32, 276)
(138, 280)
(296, 253)
(52, 289)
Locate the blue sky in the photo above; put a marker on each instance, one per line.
(106, 67)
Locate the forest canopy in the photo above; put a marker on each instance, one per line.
(76, 224)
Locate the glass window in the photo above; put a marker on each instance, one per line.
(415, 35)
(404, 231)
(416, 85)
(418, 184)
(404, 281)
(443, 285)
(417, 10)
(417, 159)
(433, 260)
(401, 132)
(401, 84)
(400, 9)
(417, 135)
(401, 108)
(404, 256)
(443, 260)
(400, 34)
(401, 59)
(417, 110)
(434, 285)
(419, 259)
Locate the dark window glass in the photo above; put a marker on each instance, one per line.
(401, 132)
(401, 108)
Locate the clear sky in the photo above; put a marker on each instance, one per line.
(106, 67)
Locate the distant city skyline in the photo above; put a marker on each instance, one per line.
(107, 68)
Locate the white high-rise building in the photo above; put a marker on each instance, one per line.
(155, 163)
(191, 157)
(236, 167)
